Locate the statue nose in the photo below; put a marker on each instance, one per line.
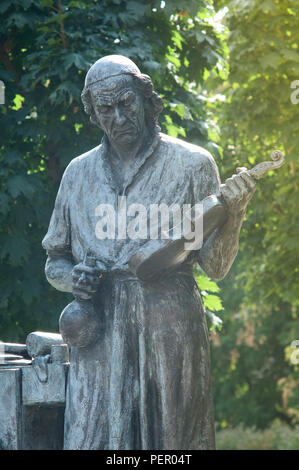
(119, 115)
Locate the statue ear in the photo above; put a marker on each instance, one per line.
(93, 118)
(92, 115)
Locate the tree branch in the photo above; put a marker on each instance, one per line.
(7, 62)
(62, 32)
(4, 57)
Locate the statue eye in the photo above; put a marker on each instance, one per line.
(128, 98)
(104, 108)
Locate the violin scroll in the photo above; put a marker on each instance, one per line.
(259, 170)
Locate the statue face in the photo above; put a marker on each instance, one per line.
(118, 109)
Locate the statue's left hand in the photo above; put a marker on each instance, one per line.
(237, 192)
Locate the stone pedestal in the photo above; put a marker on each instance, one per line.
(48, 393)
(32, 403)
(10, 408)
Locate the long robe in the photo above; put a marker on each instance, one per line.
(145, 383)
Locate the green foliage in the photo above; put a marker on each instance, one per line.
(254, 379)
(212, 303)
(46, 47)
(276, 437)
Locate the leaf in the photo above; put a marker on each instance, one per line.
(270, 60)
(268, 5)
(152, 65)
(137, 8)
(18, 184)
(212, 302)
(17, 101)
(206, 284)
(290, 54)
(4, 203)
(16, 247)
(216, 321)
(200, 36)
(78, 4)
(4, 5)
(31, 289)
(178, 108)
(23, 19)
(173, 59)
(13, 158)
(47, 3)
(177, 39)
(75, 59)
(65, 91)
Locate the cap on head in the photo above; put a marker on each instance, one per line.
(116, 65)
(110, 66)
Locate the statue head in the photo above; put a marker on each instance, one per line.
(120, 99)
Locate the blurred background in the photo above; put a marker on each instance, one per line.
(228, 71)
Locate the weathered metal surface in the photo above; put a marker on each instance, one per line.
(60, 353)
(47, 392)
(10, 408)
(14, 348)
(32, 398)
(171, 252)
(39, 343)
(144, 382)
(42, 427)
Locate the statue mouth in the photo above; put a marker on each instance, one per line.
(128, 132)
(127, 128)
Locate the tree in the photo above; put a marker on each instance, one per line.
(255, 381)
(46, 48)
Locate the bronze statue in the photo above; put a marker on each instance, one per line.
(139, 364)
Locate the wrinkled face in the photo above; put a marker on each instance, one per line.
(118, 109)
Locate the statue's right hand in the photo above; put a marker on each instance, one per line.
(85, 280)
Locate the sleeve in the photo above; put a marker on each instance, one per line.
(205, 177)
(57, 241)
(205, 182)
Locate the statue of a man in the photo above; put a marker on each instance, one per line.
(144, 383)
